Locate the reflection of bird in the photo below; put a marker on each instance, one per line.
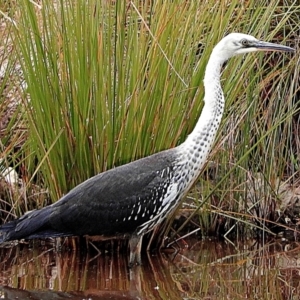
(132, 199)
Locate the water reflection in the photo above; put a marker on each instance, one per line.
(203, 270)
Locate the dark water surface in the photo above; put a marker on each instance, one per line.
(202, 270)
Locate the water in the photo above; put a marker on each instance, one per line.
(207, 269)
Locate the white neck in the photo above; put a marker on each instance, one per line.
(214, 100)
(198, 144)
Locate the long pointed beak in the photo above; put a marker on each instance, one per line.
(265, 46)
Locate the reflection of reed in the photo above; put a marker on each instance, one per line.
(247, 270)
(206, 269)
(37, 267)
(42, 268)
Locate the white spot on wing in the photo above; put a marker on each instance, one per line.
(169, 198)
(171, 194)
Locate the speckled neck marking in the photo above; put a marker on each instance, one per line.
(194, 151)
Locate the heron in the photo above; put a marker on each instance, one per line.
(132, 199)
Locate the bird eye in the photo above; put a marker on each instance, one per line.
(244, 42)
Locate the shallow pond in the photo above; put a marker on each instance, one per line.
(206, 269)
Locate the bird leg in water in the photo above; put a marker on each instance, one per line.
(135, 245)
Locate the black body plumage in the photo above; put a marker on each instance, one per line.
(113, 203)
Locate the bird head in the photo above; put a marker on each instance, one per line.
(239, 43)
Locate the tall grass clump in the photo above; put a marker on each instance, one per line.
(108, 83)
(12, 133)
(101, 91)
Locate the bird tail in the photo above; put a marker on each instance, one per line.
(5, 229)
(34, 224)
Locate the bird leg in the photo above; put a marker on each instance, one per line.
(135, 245)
